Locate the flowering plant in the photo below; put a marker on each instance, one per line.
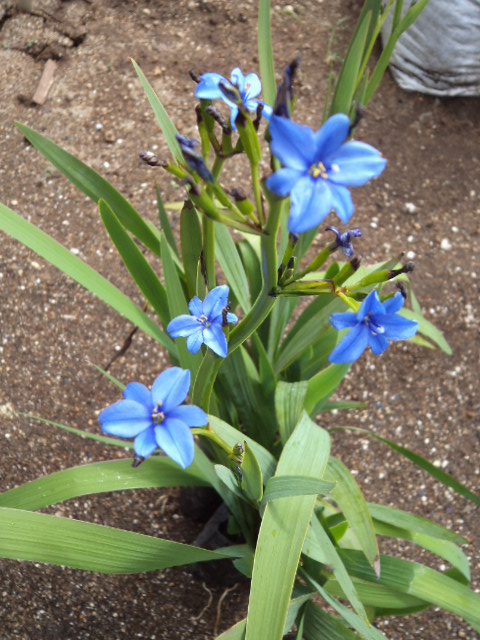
(257, 368)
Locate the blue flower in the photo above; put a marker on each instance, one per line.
(374, 325)
(205, 325)
(344, 240)
(318, 168)
(157, 418)
(249, 87)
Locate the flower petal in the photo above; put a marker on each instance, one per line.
(189, 414)
(282, 181)
(215, 302)
(183, 326)
(355, 164)
(207, 89)
(377, 343)
(145, 443)
(233, 114)
(232, 318)
(371, 305)
(342, 202)
(176, 440)
(139, 393)
(392, 305)
(237, 79)
(267, 111)
(398, 328)
(311, 201)
(195, 306)
(331, 136)
(215, 339)
(293, 144)
(171, 387)
(125, 419)
(351, 347)
(345, 320)
(252, 86)
(195, 341)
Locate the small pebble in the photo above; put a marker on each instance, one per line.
(445, 244)
(411, 255)
(410, 207)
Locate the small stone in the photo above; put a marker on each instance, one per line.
(99, 126)
(445, 244)
(109, 136)
(410, 208)
(411, 255)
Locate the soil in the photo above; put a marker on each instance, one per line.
(427, 203)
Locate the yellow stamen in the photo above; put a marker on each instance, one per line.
(318, 171)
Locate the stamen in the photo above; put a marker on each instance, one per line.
(318, 171)
(158, 416)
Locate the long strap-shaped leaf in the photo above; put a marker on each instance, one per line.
(115, 475)
(265, 52)
(81, 545)
(421, 582)
(166, 125)
(282, 533)
(49, 249)
(140, 270)
(93, 186)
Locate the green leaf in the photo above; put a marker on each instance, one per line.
(252, 480)
(166, 125)
(347, 81)
(251, 265)
(377, 596)
(310, 332)
(177, 305)
(365, 630)
(232, 436)
(114, 442)
(93, 186)
(231, 264)
(115, 475)
(138, 267)
(191, 242)
(319, 547)
(442, 548)
(282, 534)
(428, 329)
(279, 318)
(81, 545)
(289, 399)
(109, 377)
(320, 625)
(265, 53)
(228, 479)
(49, 249)
(431, 469)
(165, 225)
(421, 582)
(290, 486)
(399, 518)
(348, 496)
(322, 385)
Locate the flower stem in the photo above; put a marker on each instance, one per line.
(208, 432)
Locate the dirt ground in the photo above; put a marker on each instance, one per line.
(51, 330)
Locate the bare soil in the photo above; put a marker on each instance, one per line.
(51, 330)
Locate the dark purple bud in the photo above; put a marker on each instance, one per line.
(137, 461)
(344, 240)
(285, 94)
(196, 77)
(230, 92)
(356, 119)
(217, 116)
(193, 159)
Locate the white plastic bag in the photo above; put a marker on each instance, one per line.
(440, 53)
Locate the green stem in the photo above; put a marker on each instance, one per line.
(257, 191)
(211, 435)
(208, 243)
